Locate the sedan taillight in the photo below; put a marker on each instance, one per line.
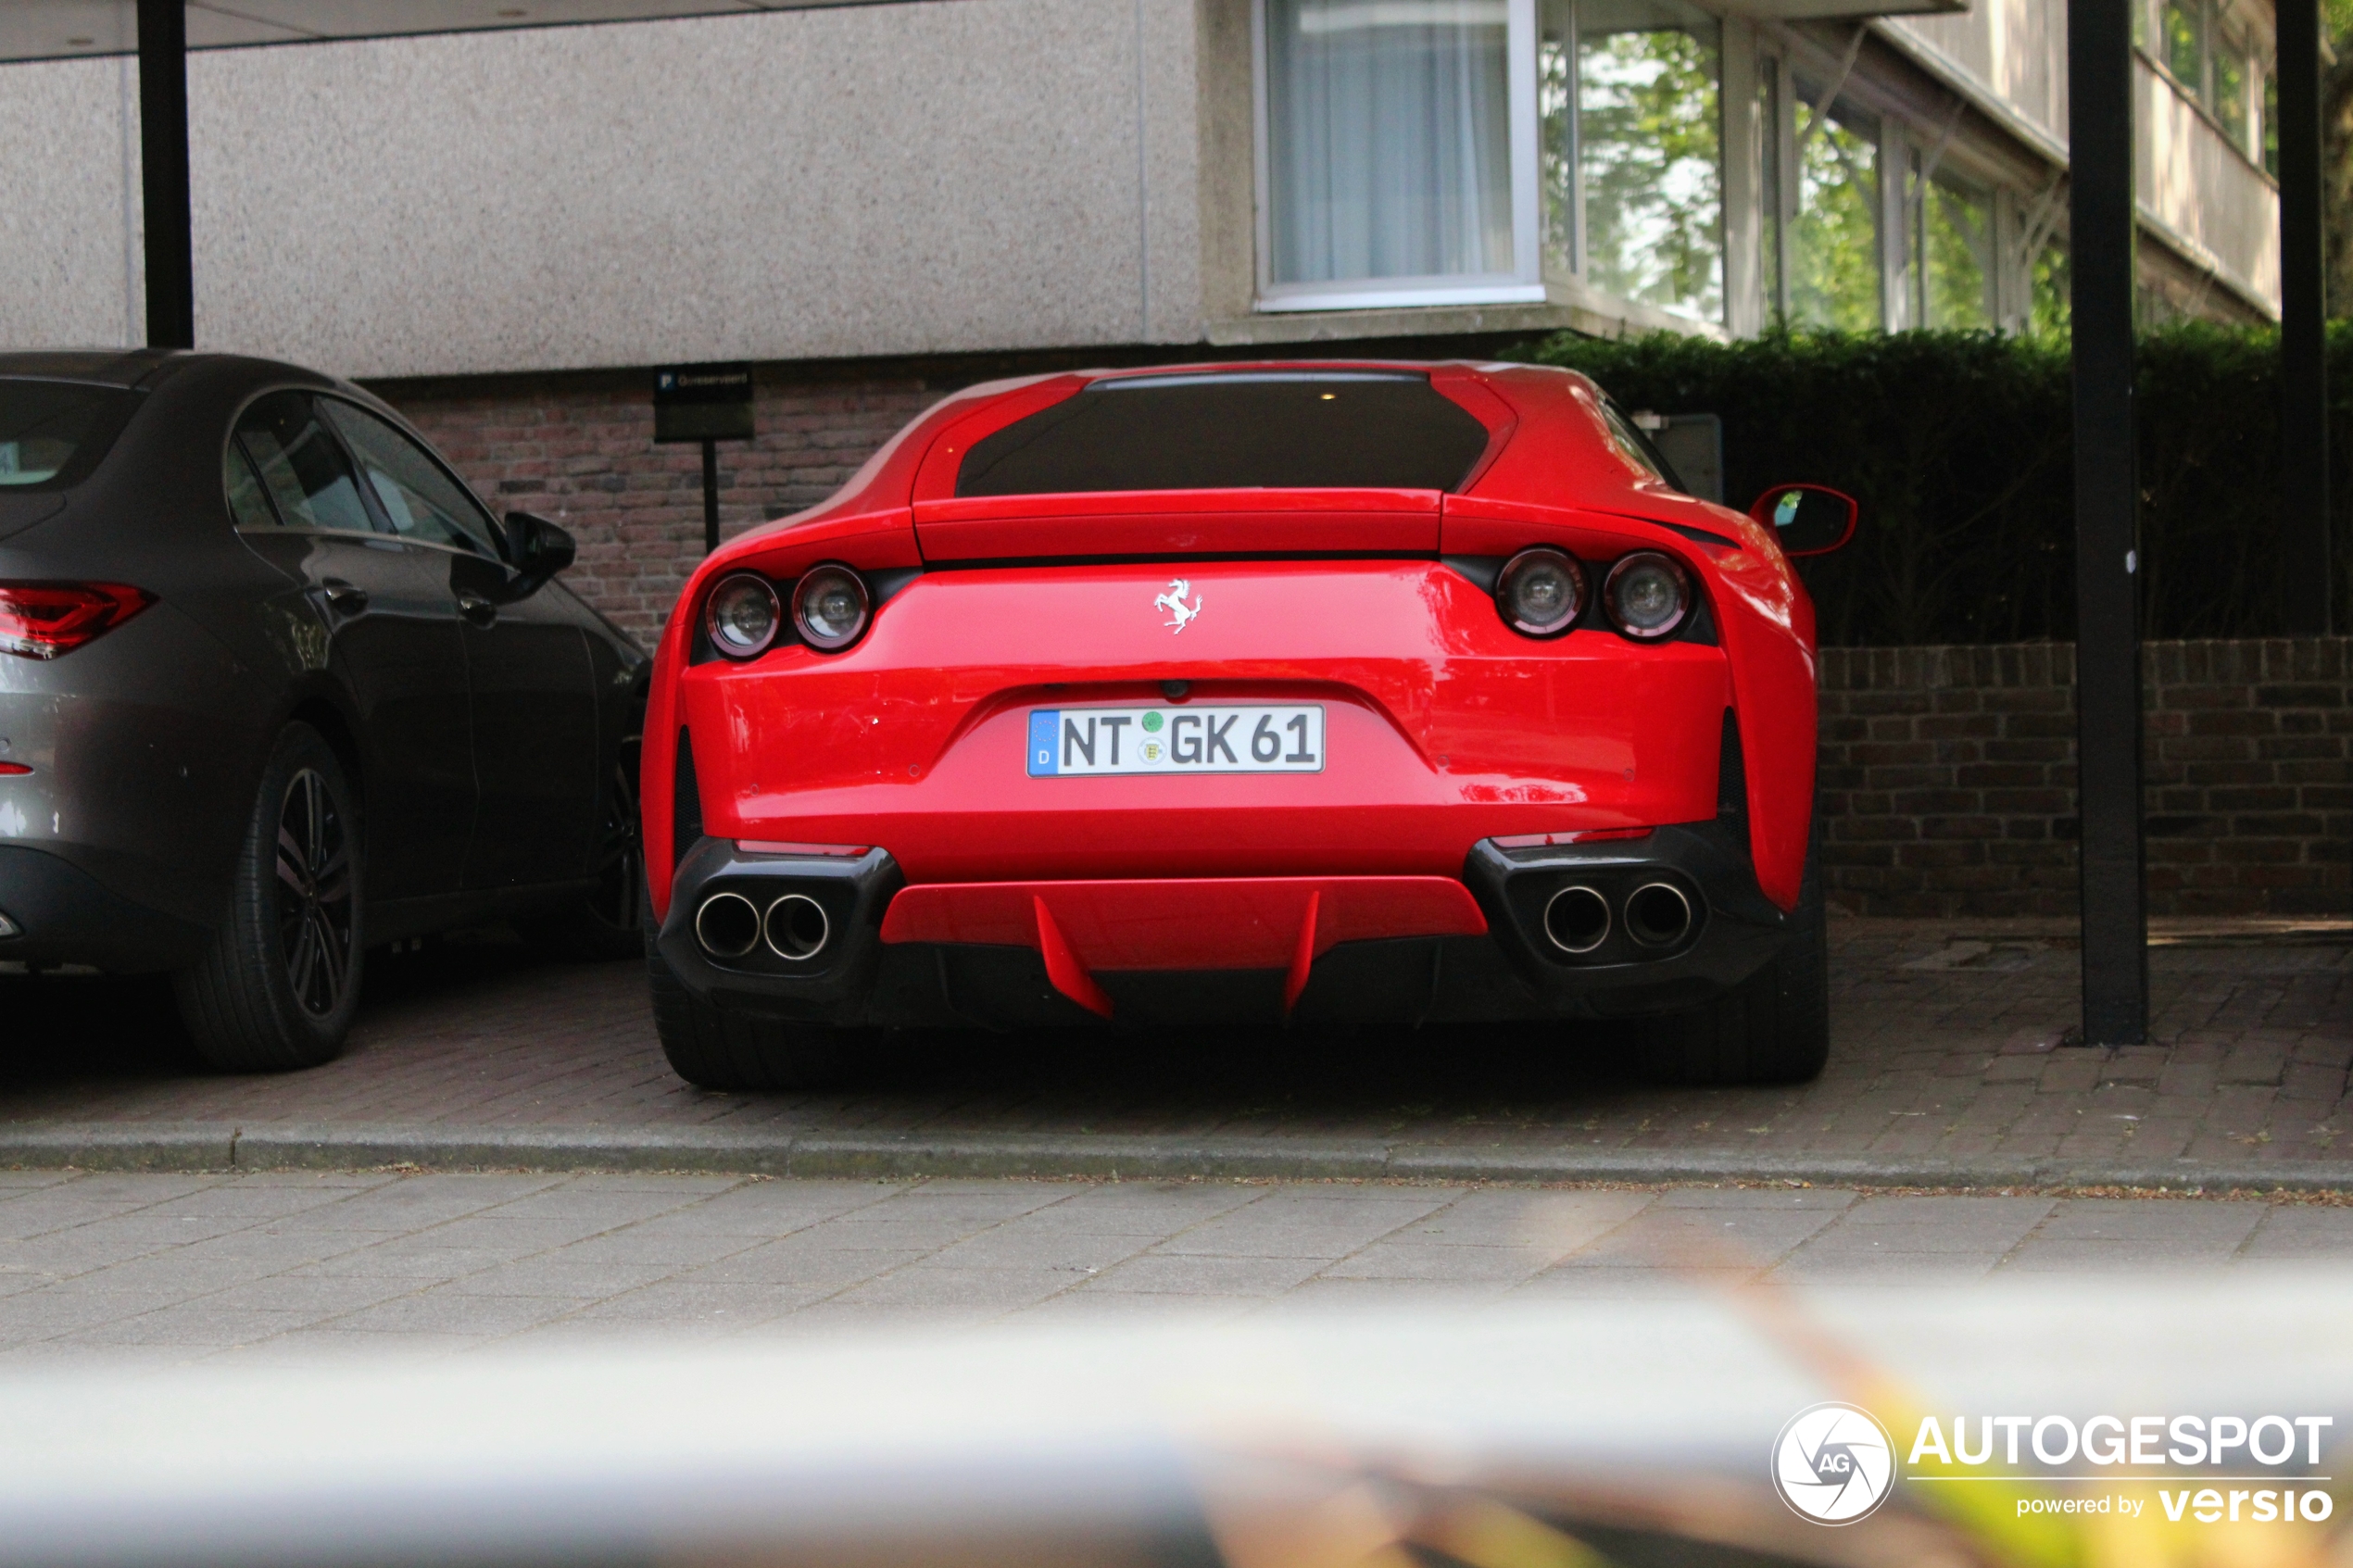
(45, 619)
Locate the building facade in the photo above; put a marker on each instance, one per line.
(503, 230)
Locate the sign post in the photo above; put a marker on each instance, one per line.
(707, 404)
(2108, 512)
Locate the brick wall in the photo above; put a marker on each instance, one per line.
(580, 449)
(1948, 777)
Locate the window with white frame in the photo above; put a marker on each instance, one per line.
(1630, 92)
(1951, 279)
(1830, 226)
(1396, 151)
(2216, 64)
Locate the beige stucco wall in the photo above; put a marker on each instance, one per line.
(928, 177)
(2212, 203)
(2015, 50)
(68, 277)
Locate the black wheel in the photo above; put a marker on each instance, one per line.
(607, 921)
(1774, 1029)
(280, 982)
(713, 1048)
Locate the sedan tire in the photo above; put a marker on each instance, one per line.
(607, 922)
(280, 982)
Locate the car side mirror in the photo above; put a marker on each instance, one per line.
(1808, 520)
(537, 550)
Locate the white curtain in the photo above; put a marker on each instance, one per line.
(1390, 138)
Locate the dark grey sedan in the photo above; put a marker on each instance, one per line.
(275, 689)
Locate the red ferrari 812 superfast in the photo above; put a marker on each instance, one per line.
(1375, 692)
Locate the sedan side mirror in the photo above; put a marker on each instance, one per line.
(1809, 520)
(537, 550)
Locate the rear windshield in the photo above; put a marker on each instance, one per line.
(1248, 430)
(53, 433)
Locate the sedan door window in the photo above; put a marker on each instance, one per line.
(419, 496)
(248, 503)
(303, 465)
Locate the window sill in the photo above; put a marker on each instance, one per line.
(1409, 295)
(1564, 303)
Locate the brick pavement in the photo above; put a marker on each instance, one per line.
(174, 1268)
(1947, 1043)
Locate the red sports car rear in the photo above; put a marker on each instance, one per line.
(1381, 691)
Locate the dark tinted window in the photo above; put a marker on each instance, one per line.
(53, 433)
(247, 505)
(421, 501)
(302, 465)
(1640, 449)
(1251, 430)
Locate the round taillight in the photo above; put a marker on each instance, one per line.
(1648, 596)
(830, 607)
(742, 616)
(1541, 591)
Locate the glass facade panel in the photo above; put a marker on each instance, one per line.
(1389, 138)
(1648, 149)
(2230, 94)
(1833, 256)
(1955, 256)
(2270, 125)
(2051, 297)
(2183, 44)
(1768, 187)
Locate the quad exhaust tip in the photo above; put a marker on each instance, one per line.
(727, 925)
(1657, 914)
(797, 928)
(1577, 918)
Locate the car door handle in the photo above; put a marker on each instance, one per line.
(477, 610)
(346, 598)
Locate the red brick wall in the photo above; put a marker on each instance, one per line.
(1948, 773)
(580, 449)
(1948, 778)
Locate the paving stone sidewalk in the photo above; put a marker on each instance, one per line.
(172, 1268)
(1947, 1047)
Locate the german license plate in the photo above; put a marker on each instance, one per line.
(1195, 738)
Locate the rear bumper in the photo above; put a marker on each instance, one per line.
(1145, 951)
(66, 918)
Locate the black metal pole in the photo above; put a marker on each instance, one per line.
(2107, 636)
(163, 173)
(709, 496)
(2304, 393)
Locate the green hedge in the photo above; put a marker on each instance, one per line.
(1957, 445)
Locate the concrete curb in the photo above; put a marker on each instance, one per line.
(215, 1146)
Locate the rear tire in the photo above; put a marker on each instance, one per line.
(608, 922)
(1774, 1028)
(279, 986)
(713, 1048)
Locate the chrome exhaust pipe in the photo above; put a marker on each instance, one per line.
(727, 925)
(1577, 918)
(1657, 914)
(797, 928)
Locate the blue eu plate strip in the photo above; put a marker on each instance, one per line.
(1044, 724)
